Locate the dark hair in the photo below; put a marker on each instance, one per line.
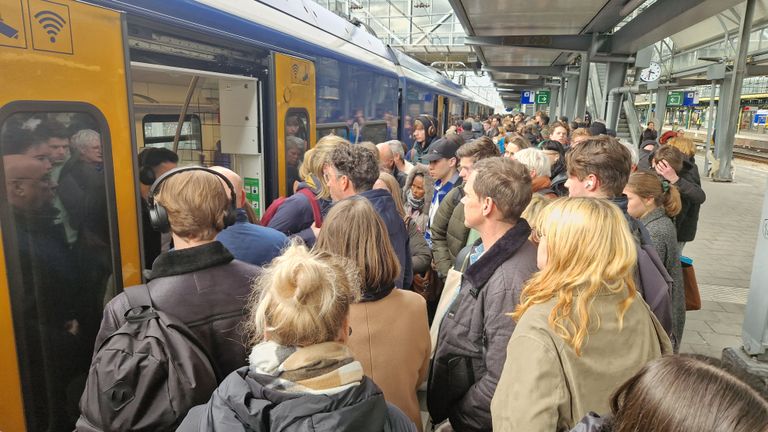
(480, 148)
(16, 141)
(357, 163)
(507, 182)
(604, 157)
(544, 119)
(672, 155)
(50, 129)
(686, 394)
(153, 156)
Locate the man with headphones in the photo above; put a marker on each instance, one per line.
(153, 162)
(199, 282)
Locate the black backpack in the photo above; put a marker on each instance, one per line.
(147, 374)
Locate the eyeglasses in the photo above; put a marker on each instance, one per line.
(327, 177)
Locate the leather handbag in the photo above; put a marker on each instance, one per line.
(692, 295)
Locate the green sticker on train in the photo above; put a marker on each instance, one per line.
(252, 194)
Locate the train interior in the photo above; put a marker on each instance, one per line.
(222, 125)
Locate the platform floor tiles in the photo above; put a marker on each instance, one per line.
(723, 252)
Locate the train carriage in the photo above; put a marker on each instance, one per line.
(245, 84)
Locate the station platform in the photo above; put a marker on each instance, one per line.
(723, 252)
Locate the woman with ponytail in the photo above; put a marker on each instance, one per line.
(654, 202)
(301, 374)
(582, 328)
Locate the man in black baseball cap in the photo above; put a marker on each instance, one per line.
(444, 170)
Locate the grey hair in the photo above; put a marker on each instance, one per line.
(534, 159)
(632, 151)
(83, 137)
(397, 148)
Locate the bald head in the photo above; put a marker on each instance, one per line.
(237, 183)
(386, 157)
(27, 181)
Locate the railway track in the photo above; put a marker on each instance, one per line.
(750, 155)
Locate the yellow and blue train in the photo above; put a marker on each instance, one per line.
(226, 82)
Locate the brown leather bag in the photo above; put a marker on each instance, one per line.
(692, 295)
(430, 285)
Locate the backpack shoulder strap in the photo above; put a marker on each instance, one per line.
(315, 206)
(138, 296)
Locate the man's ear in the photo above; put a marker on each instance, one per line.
(454, 162)
(487, 206)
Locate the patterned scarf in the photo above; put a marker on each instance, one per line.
(413, 203)
(325, 368)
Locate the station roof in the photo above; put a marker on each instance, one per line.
(521, 44)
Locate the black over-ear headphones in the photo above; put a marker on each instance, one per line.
(146, 173)
(158, 216)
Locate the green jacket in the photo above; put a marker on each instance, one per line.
(449, 234)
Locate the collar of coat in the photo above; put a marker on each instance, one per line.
(481, 271)
(190, 260)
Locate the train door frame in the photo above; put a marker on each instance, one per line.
(79, 78)
(295, 90)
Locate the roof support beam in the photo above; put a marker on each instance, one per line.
(607, 18)
(663, 19)
(440, 22)
(528, 70)
(556, 42)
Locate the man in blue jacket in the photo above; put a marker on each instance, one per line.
(352, 170)
(249, 242)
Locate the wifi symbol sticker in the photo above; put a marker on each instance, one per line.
(52, 23)
(51, 26)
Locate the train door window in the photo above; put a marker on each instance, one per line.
(58, 222)
(296, 143)
(160, 131)
(376, 131)
(338, 129)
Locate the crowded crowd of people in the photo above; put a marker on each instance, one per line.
(524, 276)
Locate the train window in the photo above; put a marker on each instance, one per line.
(296, 139)
(374, 131)
(160, 131)
(60, 253)
(337, 129)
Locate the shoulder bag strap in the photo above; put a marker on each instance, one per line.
(315, 206)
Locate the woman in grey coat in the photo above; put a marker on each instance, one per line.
(654, 201)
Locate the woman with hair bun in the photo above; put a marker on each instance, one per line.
(582, 328)
(682, 394)
(654, 202)
(301, 374)
(391, 337)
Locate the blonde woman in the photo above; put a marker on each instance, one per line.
(391, 335)
(301, 374)
(582, 329)
(295, 215)
(654, 202)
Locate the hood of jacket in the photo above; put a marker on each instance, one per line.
(245, 401)
(429, 185)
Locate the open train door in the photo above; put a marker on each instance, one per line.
(68, 211)
(295, 95)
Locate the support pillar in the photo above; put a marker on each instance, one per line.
(617, 72)
(661, 108)
(570, 97)
(725, 140)
(581, 95)
(553, 98)
(561, 98)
